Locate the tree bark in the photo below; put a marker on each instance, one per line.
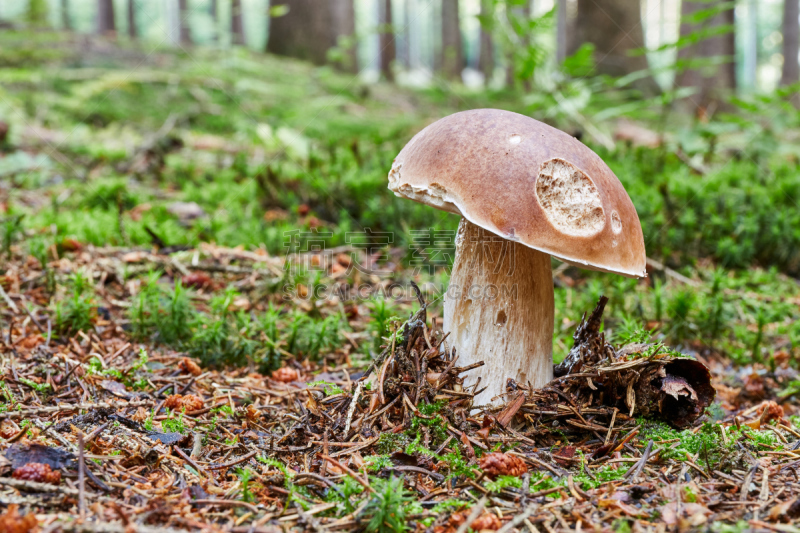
(184, 22)
(66, 22)
(452, 60)
(237, 28)
(614, 27)
(791, 42)
(388, 52)
(711, 81)
(105, 17)
(311, 28)
(486, 52)
(133, 31)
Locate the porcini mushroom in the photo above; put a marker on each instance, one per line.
(525, 191)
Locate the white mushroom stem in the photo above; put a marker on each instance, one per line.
(499, 310)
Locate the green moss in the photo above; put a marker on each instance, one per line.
(392, 442)
(376, 463)
(502, 482)
(712, 450)
(437, 425)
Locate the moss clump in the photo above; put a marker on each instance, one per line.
(713, 450)
(392, 442)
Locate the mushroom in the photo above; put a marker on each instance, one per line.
(525, 191)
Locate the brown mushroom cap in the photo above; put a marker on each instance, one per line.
(527, 182)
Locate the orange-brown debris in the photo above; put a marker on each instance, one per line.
(285, 375)
(189, 367)
(177, 402)
(38, 472)
(12, 522)
(502, 464)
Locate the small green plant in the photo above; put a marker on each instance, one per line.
(621, 525)
(173, 324)
(456, 464)
(376, 463)
(502, 482)
(141, 361)
(392, 442)
(76, 312)
(7, 394)
(166, 313)
(245, 475)
(148, 423)
(680, 309)
(436, 424)
(383, 314)
(10, 231)
(761, 321)
(173, 425)
(26, 426)
(287, 473)
(38, 387)
(714, 451)
(631, 331)
(128, 378)
(343, 494)
(226, 409)
(38, 249)
(387, 508)
(330, 388)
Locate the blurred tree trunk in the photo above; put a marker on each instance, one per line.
(791, 42)
(521, 13)
(105, 17)
(412, 34)
(749, 60)
(452, 60)
(561, 31)
(402, 35)
(710, 80)
(133, 31)
(388, 51)
(36, 14)
(343, 24)
(237, 29)
(311, 28)
(66, 22)
(184, 23)
(212, 11)
(614, 27)
(486, 53)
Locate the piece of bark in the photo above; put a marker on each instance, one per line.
(589, 344)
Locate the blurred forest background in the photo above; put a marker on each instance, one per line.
(272, 127)
(482, 43)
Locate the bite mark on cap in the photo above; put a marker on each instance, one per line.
(570, 199)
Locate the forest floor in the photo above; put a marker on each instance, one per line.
(182, 347)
